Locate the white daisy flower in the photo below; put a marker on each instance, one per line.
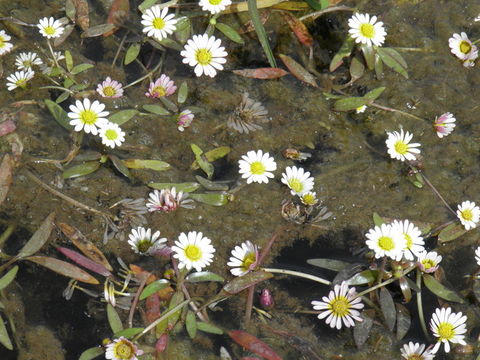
(50, 28)
(168, 200)
(477, 255)
(309, 198)
(214, 6)
(412, 236)
(340, 305)
(428, 262)
(386, 240)
(19, 79)
(469, 214)
(416, 351)
(257, 166)
(5, 46)
(157, 23)
(399, 147)
(193, 251)
(88, 116)
(205, 54)
(462, 47)
(25, 61)
(444, 124)
(366, 30)
(144, 243)
(243, 259)
(111, 134)
(297, 180)
(110, 88)
(448, 327)
(122, 349)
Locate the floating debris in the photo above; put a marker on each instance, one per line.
(246, 115)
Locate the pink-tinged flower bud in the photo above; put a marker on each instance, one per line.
(266, 299)
(184, 119)
(444, 124)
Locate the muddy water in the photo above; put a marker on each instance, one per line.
(352, 172)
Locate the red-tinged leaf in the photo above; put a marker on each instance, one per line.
(63, 268)
(6, 169)
(84, 245)
(298, 70)
(262, 73)
(253, 344)
(299, 29)
(81, 15)
(161, 343)
(152, 303)
(84, 261)
(118, 12)
(7, 127)
(140, 273)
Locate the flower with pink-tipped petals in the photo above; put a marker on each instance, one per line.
(163, 86)
(184, 119)
(444, 124)
(110, 88)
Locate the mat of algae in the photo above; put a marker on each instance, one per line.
(349, 164)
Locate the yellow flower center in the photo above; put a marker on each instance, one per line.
(2, 42)
(248, 260)
(159, 91)
(27, 64)
(428, 263)
(386, 243)
(49, 30)
(467, 215)
(158, 23)
(409, 241)
(367, 30)
(111, 134)
(109, 91)
(296, 185)
(88, 117)
(257, 168)
(124, 350)
(416, 357)
(21, 83)
(445, 331)
(309, 199)
(465, 47)
(203, 56)
(214, 2)
(193, 252)
(143, 245)
(401, 147)
(340, 306)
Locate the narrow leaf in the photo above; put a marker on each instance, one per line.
(344, 51)
(403, 321)
(211, 185)
(357, 69)
(262, 73)
(253, 344)
(298, 70)
(146, 164)
(202, 161)
(241, 283)
(260, 30)
(230, 33)
(6, 176)
(59, 114)
(440, 290)
(120, 166)
(146, 4)
(114, 319)
(62, 97)
(129, 333)
(8, 277)
(363, 277)
(218, 199)
(4, 338)
(132, 53)
(204, 276)
(39, 238)
(209, 328)
(451, 232)
(330, 264)
(176, 299)
(191, 324)
(122, 116)
(63, 268)
(156, 109)
(85, 262)
(350, 103)
(182, 93)
(375, 93)
(362, 329)
(81, 170)
(70, 10)
(377, 219)
(185, 187)
(153, 287)
(369, 55)
(388, 308)
(97, 30)
(92, 353)
(68, 60)
(298, 28)
(393, 60)
(80, 68)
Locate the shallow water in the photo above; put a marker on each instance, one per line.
(352, 172)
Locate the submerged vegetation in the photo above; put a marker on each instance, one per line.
(186, 270)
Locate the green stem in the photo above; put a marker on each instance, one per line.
(316, 14)
(260, 30)
(299, 274)
(435, 191)
(386, 108)
(420, 304)
(386, 282)
(146, 75)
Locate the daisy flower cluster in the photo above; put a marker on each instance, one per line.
(463, 49)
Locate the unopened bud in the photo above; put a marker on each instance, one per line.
(266, 299)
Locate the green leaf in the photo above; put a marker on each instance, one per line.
(185, 187)
(218, 199)
(209, 328)
(393, 60)
(156, 109)
(97, 30)
(362, 329)
(344, 51)
(364, 277)
(128, 333)
(68, 60)
(369, 55)
(377, 219)
(4, 338)
(191, 324)
(176, 299)
(202, 161)
(169, 104)
(378, 66)
(357, 69)
(8, 277)
(298, 70)
(146, 164)
(59, 114)
(184, 27)
(204, 276)
(260, 30)
(80, 68)
(170, 43)
(440, 290)
(315, 5)
(70, 11)
(39, 238)
(182, 93)
(153, 287)
(132, 53)
(120, 166)
(146, 4)
(81, 170)
(212, 155)
(324, 4)
(451, 232)
(330, 264)
(388, 308)
(375, 93)
(229, 32)
(211, 185)
(350, 103)
(114, 319)
(122, 116)
(92, 353)
(241, 283)
(403, 321)
(62, 97)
